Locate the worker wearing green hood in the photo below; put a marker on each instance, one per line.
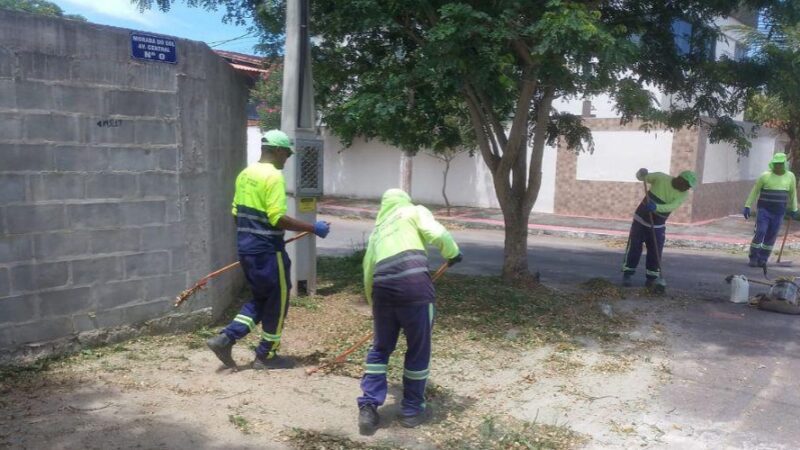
(399, 287)
(776, 190)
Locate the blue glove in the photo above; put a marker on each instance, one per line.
(455, 260)
(746, 213)
(321, 228)
(651, 206)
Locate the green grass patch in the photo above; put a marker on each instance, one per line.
(240, 422)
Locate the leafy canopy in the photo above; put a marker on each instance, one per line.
(42, 7)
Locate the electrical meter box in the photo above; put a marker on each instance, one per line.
(305, 177)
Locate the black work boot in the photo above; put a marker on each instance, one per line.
(627, 279)
(650, 283)
(415, 420)
(274, 362)
(368, 419)
(221, 345)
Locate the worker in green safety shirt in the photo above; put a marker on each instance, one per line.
(665, 195)
(776, 191)
(398, 285)
(259, 208)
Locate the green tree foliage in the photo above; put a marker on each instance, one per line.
(396, 69)
(267, 94)
(42, 7)
(777, 105)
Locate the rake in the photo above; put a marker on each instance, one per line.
(341, 357)
(183, 296)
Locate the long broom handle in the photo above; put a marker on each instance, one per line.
(183, 296)
(653, 232)
(785, 235)
(343, 355)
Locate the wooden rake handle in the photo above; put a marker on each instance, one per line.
(341, 357)
(183, 296)
(785, 235)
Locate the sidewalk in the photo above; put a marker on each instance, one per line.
(728, 233)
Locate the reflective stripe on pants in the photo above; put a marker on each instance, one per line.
(268, 277)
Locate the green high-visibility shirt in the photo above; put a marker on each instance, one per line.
(258, 204)
(769, 181)
(661, 187)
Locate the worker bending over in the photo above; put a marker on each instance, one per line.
(776, 190)
(400, 290)
(259, 206)
(666, 194)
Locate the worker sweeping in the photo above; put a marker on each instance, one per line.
(259, 207)
(776, 190)
(399, 288)
(666, 194)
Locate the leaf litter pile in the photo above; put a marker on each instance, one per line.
(477, 318)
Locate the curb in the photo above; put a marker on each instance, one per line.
(677, 240)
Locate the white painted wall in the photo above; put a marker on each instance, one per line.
(367, 169)
(253, 144)
(619, 154)
(723, 164)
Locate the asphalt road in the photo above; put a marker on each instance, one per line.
(562, 261)
(736, 370)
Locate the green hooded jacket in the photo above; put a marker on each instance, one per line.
(402, 226)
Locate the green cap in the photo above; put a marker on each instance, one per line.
(689, 176)
(276, 138)
(778, 158)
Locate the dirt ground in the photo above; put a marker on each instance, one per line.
(512, 368)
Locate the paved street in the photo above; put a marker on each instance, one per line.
(567, 261)
(734, 372)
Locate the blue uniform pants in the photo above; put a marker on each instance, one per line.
(767, 226)
(268, 277)
(640, 235)
(416, 321)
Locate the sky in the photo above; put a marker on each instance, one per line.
(181, 21)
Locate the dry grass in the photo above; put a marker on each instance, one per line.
(477, 315)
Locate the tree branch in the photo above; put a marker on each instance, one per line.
(478, 122)
(405, 25)
(537, 151)
(497, 127)
(518, 127)
(522, 52)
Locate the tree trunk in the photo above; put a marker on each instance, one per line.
(515, 261)
(792, 150)
(444, 185)
(406, 169)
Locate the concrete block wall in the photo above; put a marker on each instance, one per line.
(116, 177)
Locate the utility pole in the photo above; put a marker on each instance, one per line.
(303, 172)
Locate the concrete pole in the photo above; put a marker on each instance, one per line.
(298, 121)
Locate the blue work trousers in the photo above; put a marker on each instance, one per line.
(641, 235)
(416, 321)
(767, 226)
(268, 276)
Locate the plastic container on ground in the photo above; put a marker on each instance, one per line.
(740, 289)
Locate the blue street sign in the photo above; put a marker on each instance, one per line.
(153, 48)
